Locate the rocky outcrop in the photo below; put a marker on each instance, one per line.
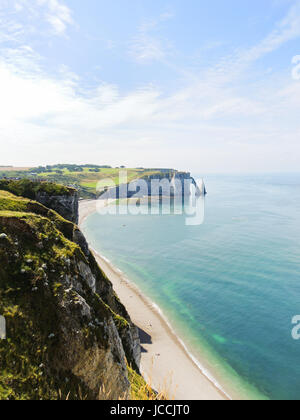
(63, 200)
(65, 205)
(103, 287)
(68, 334)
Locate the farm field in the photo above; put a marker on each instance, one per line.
(86, 178)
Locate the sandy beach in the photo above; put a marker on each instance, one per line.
(164, 357)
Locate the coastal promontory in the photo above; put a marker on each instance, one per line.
(68, 334)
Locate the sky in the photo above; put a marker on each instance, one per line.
(204, 86)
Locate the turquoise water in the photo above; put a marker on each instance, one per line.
(230, 286)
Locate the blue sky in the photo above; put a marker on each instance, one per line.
(204, 86)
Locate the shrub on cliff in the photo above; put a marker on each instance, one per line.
(29, 189)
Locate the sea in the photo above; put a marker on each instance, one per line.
(226, 277)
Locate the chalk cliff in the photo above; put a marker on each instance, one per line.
(170, 184)
(62, 199)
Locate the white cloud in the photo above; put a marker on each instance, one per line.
(286, 30)
(146, 48)
(149, 46)
(36, 14)
(59, 15)
(44, 120)
(210, 123)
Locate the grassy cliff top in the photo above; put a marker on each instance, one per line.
(29, 189)
(11, 203)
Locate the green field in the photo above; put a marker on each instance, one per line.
(88, 179)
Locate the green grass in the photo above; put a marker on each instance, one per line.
(82, 178)
(29, 188)
(141, 391)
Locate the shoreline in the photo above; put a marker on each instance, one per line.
(166, 363)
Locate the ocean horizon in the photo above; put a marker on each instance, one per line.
(230, 286)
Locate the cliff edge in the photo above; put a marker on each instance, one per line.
(68, 335)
